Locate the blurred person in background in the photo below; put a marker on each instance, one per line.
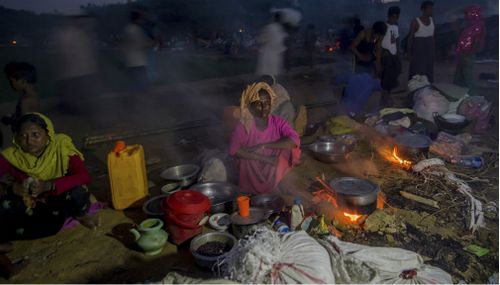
(136, 44)
(421, 43)
(366, 47)
(22, 78)
(389, 60)
(272, 47)
(470, 42)
(78, 85)
(310, 39)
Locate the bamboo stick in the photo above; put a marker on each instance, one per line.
(419, 199)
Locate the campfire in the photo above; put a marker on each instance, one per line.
(395, 156)
(347, 217)
(406, 164)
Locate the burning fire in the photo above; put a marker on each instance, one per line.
(396, 158)
(352, 217)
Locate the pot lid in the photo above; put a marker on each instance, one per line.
(413, 140)
(257, 215)
(186, 202)
(353, 186)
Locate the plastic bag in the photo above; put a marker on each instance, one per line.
(354, 263)
(213, 168)
(267, 257)
(429, 101)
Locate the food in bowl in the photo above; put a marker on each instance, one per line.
(213, 248)
(170, 187)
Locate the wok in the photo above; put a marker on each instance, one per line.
(329, 152)
(222, 195)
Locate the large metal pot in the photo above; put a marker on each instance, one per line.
(413, 146)
(222, 195)
(355, 194)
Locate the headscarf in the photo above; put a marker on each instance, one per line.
(52, 163)
(473, 32)
(280, 92)
(250, 95)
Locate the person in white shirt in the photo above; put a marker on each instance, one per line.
(136, 44)
(389, 61)
(272, 48)
(421, 43)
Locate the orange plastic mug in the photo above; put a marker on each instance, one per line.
(243, 205)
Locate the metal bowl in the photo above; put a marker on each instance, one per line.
(222, 195)
(210, 261)
(329, 152)
(185, 174)
(451, 123)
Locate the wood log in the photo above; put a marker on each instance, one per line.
(419, 199)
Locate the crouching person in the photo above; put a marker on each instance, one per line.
(49, 178)
(361, 95)
(266, 145)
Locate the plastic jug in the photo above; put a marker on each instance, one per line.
(127, 176)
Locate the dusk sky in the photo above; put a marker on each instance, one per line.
(40, 6)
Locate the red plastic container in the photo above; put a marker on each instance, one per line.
(183, 211)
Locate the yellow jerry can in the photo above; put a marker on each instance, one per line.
(127, 176)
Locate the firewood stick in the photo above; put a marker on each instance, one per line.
(419, 199)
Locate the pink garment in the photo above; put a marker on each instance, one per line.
(472, 33)
(71, 223)
(258, 177)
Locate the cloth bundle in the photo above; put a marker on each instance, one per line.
(447, 145)
(478, 110)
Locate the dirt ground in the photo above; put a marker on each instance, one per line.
(108, 255)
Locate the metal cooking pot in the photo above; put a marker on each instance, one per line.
(413, 146)
(355, 194)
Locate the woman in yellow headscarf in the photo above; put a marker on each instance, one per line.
(49, 181)
(266, 145)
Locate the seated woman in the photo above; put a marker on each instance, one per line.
(266, 145)
(48, 186)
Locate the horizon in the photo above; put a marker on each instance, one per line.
(49, 6)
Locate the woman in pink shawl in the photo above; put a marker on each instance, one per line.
(266, 145)
(470, 42)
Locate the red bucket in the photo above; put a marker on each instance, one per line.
(183, 212)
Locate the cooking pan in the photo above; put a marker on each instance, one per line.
(355, 194)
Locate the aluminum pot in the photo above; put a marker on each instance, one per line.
(413, 146)
(355, 193)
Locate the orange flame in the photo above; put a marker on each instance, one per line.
(405, 163)
(352, 217)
